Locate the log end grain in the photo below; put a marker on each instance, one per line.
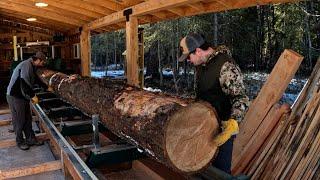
(189, 136)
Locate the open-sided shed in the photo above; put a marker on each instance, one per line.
(71, 17)
(83, 18)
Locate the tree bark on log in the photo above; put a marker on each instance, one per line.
(176, 132)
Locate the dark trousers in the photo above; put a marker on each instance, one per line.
(21, 119)
(224, 157)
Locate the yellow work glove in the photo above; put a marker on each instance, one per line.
(229, 128)
(50, 89)
(35, 99)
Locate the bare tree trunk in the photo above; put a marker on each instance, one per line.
(115, 48)
(160, 64)
(308, 42)
(215, 29)
(107, 58)
(174, 59)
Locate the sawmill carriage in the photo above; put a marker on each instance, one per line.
(101, 128)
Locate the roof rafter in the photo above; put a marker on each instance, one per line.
(72, 8)
(147, 7)
(88, 5)
(154, 7)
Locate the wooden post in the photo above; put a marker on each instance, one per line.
(132, 51)
(15, 52)
(85, 50)
(21, 54)
(141, 57)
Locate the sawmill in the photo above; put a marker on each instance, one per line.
(102, 128)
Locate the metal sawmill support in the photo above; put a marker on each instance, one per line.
(176, 132)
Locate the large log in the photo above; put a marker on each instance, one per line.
(176, 132)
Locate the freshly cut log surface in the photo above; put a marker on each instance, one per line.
(177, 132)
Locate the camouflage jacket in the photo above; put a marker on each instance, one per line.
(231, 82)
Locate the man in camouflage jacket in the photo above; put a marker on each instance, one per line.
(219, 82)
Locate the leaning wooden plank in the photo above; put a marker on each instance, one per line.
(280, 157)
(259, 137)
(272, 157)
(5, 111)
(297, 148)
(12, 142)
(174, 131)
(30, 170)
(309, 160)
(267, 149)
(306, 92)
(270, 93)
(315, 174)
(293, 141)
(304, 105)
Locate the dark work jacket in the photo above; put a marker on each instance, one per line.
(22, 81)
(208, 85)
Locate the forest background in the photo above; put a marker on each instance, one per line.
(256, 37)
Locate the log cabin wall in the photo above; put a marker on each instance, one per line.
(64, 48)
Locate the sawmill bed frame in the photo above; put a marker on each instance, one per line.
(69, 129)
(84, 148)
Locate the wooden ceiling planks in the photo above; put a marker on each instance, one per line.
(73, 8)
(12, 5)
(58, 8)
(88, 5)
(41, 22)
(38, 24)
(68, 14)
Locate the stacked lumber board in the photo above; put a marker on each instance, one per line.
(291, 151)
(264, 113)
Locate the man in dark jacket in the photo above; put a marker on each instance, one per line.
(19, 94)
(219, 82)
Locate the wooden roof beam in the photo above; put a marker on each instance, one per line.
(39, 24)
(88, 5)
(147, 7)
(11, 5)
(72, 8)
(111, 5)
(153, 6)
(226, 4)
(214, 6)
(128, 3)
(199, 6)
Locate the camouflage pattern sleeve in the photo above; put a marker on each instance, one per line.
(231, 82)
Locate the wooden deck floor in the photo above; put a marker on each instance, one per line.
(12, 157)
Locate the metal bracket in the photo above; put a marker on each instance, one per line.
(80, 167)
(64, 112)
(95, 128)
(113, 154)
(127, 13)
(45, 95)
